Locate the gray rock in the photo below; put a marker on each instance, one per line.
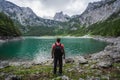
(115, 56)
(81, 60)
(99, 55)
(71, 69)
(104, 64)
(108, 48)
(110, 54)
(61, 17)
(99, 11)
(15, 63)
(92, 78)
(106, 77)
(81, 79)
(69, 60)
(27, 66)
(93, 66)
(24, 15)
(57, 78)
(4, 64)
(13, 77)
(65, 77)
(2, 73)
(81, 71)
(49, 62)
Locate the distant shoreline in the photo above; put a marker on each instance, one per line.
(85, 36)
(10, 39)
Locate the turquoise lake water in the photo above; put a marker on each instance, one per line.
(31, 48)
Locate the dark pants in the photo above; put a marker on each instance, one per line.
(56, 61)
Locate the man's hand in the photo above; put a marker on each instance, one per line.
(52, 57)
(63, 57)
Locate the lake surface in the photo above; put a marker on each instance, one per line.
(38, 48)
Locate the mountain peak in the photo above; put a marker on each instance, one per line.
(23, 15)
(59, 16)
(99, 11)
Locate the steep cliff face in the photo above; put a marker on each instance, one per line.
(99, 11)
(61, 17)
(24, 15)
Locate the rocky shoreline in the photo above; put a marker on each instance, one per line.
(112, 51)
(103, 60)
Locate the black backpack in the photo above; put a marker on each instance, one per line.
(58, 50)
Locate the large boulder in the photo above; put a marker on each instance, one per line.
(114, 52)
(65, 77)
(80, 60)
(99, 55)
(115, 56)
(104, 64)
(69, 60)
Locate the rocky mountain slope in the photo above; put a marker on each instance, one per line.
(99, 11)
(61, 17)
(98, 17)
(24, 15)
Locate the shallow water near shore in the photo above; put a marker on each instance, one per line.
(39, 48)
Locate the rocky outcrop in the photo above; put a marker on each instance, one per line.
(80, 60)
(99, 11)
(20, 14)
(24, 15)
(4, 64)
(110, 55)
(13, 77)
(61, 17)
(69, 60)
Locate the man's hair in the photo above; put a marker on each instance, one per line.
(58, 40)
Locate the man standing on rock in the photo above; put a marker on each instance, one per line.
(57, 54)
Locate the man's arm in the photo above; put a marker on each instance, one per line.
(63, 53)
(52, 53)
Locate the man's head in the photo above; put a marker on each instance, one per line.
(58, 40)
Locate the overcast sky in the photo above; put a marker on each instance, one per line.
(49, 7)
